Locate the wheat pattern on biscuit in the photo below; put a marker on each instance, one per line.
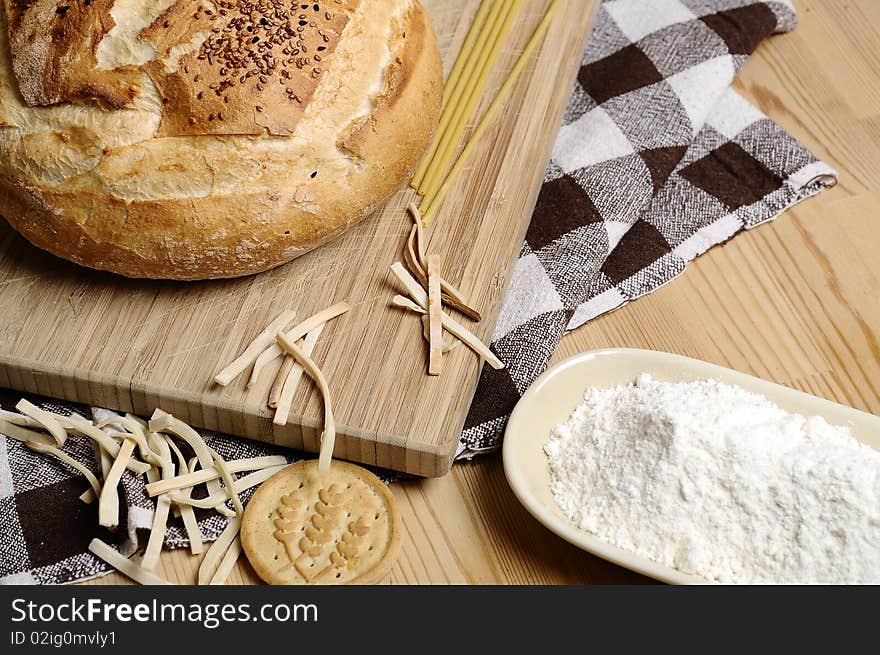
(305, 527)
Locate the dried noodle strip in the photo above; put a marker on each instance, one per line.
(138, 431)
(19, 433)
(218, 549)
(108, 500)
(435, 322)
(210, 568)
(241, 484)
(413, 256)
(328, 438)
(449, 343)
(294, 376)
(50, 424)
(278, 385)
(253, 350)
(230, 557)
(295, 334)
(227, 474)
(457, 330)
(211, 473)
(163, 507)
(164, 422)
(79, 425)
(104, 462)
(449, 289)
(181, 464)
(22, 420)
(48, 449)
(190, 524)
(421, 248)
(124, 565)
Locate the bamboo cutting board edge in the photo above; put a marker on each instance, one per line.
(109, 392)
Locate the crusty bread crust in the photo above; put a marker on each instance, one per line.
(53, 51)
(220, 235)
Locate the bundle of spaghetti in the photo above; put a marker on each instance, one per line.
(465, 62)
(435, 194)
(472, 96)
(490, 28)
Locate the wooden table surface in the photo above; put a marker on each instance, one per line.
(796, 301)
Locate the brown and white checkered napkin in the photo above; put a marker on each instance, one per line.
(45, 528)
(658, 160)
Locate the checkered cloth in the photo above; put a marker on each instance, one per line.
(657, 161)
(45, 528)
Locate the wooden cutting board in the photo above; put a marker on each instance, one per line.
(135, 345)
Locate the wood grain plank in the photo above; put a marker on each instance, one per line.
(794, 301)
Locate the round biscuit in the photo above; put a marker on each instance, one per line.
(306, 527)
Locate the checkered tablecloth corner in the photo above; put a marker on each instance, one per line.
(657, 160)
(45, 528)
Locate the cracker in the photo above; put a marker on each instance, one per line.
(307, 527)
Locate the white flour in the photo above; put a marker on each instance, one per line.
(721, 483)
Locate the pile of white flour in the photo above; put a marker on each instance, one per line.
(721, 483)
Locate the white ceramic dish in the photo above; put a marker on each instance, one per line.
(553, 396)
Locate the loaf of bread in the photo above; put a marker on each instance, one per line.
(197, 139)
